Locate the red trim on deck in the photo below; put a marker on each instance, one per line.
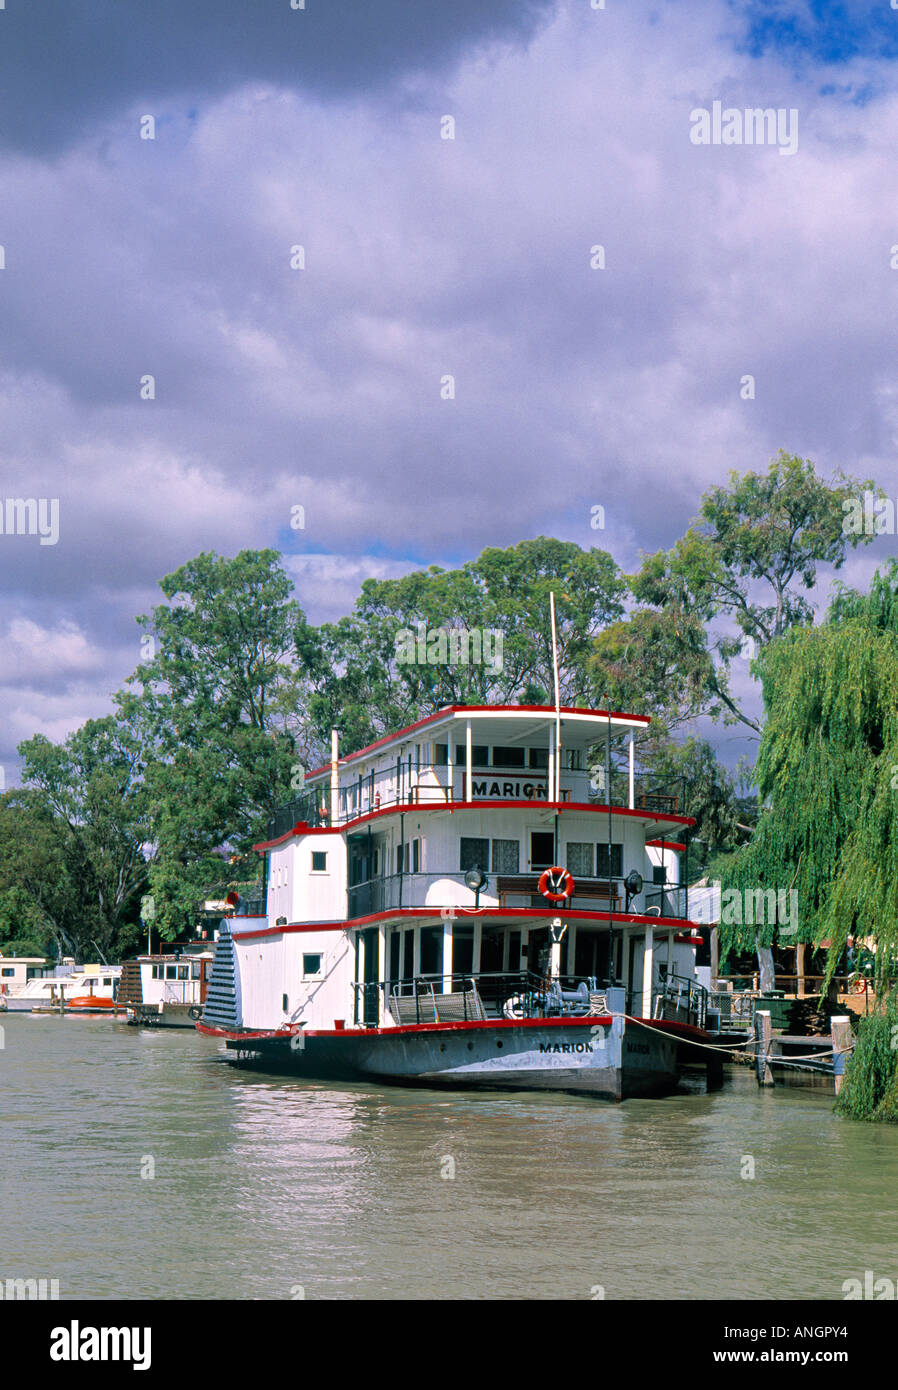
(665, 844)
(485, 803)
(669, 1025)
(406, 914)
(586, 1020)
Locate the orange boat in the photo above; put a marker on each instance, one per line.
(90, 1001)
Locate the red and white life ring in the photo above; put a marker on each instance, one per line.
(556, 884)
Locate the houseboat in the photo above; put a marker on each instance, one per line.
(87, 989)
(16, 972)
(166, 990)
(484, 898)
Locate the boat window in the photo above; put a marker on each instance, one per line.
(158, 972)
(183, 972)
(311, 964)
(107, 979)
(659, 873)
(617, 859)
(571, 758)
(508, 757)
(171, 972)
(542, 849)
(319, 861)
(480, 755)
(8, 970)
(539, 757)
(580, 859)
(474, 854)
(505, 856)
(441, 755)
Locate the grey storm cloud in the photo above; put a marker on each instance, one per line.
(65, 65)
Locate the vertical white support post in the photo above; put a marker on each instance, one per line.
(447, 954)
(478, 943)
(469, 763)
(335, 777)
(625, 966)
(648, 963)
(450, 767)
(550, 788)
(715, 958)
(632, 770)
(384, 967)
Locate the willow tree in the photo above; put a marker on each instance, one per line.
(827, 775)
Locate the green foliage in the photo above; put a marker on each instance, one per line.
(827, 774)
(90, 807)
(870, 1088)
(209, 709)
(24, 929)
(39, 881)
(754, 547)
(360, 687)
(710, 791)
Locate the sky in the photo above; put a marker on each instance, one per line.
(316, 379)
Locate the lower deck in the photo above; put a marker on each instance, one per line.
(607, 1057)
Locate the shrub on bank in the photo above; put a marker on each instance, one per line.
(870, 1088)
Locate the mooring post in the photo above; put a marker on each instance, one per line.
(762, 1048)
(840, 1032)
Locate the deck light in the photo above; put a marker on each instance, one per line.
(633, 885)
(475, 879)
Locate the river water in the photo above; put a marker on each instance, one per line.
(272, 1188)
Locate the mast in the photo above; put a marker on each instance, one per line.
(610, 879)
(556, 790)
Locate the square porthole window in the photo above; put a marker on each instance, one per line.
(311, 965)
(319, 861)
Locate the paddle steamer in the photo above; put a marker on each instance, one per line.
(487, 897)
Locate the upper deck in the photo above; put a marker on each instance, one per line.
(497, 755)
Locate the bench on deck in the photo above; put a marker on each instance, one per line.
(427, 1007)
(583, 888)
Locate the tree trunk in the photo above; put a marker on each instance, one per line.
(765, 964)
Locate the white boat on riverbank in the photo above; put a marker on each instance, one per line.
(96, 985)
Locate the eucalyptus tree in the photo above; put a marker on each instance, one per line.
(208, 708)
(89, 804)
(739, 579)
(480, 634)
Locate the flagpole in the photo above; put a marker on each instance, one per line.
(610, 832)
(556, 790)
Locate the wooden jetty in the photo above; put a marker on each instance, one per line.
(789, 1058)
